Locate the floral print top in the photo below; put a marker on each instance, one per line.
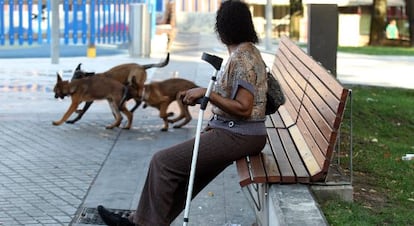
(244, 68)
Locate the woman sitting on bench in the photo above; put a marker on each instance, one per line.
(236, 130)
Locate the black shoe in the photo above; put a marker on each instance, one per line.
(113, 219)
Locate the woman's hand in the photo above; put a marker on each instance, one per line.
(191, 96)
(241, 106)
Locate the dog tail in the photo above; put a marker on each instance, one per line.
(124, 97)
(161, 64)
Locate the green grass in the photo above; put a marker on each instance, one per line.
(375, 50)
(383, 131)
(379, 50)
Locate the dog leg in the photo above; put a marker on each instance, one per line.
(129, 116)
(181, 107)
(117, 115)
(80, 112)
(71, 109)
(164, 116)
(183, 114)
(137, 103)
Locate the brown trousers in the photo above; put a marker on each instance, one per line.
(164, 193)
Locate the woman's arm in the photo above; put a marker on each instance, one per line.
(241, 105)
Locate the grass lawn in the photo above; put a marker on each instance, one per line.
(383, 131)
(379, 50)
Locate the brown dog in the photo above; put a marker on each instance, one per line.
(122, 73)
(94, 88)
(161, 94)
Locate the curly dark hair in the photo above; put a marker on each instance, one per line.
(234, 23)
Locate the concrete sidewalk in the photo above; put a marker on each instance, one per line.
(57, 175)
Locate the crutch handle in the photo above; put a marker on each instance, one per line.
(215, 61)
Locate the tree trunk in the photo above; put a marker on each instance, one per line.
(378, 17)
(294, 27)
(409, 7)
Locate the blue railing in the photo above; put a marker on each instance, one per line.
(81, 22)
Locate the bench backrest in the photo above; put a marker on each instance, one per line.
(315, 104)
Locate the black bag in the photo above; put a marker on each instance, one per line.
(274, 95)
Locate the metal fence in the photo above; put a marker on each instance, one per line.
(80, 21)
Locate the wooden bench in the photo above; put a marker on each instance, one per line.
(167, 23)
(302, 134)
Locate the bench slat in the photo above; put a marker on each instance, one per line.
(272, 170)
(315, 87)
(295, 159)
(257, 169)
(318, 150)
(268, 122)
(324, 76)
(292, 84)
(285, 116)
(286, 171)
(243, 172)
(275, 120)
(324, 126)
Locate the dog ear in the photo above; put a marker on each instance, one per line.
(59, 78)
(78, 68)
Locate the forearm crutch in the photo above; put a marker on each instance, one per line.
(215, 61)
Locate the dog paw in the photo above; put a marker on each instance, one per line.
(55, 123)
(109, 127)
(176, 127)
(70, 121)
(164, 129)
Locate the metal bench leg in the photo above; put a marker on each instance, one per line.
(257, 196)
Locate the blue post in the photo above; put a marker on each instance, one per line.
(152, 12)
(92, 23)
(11, 24)
(2, 41)
(39, 21)
(21, 30)
(120, 21)
(66, 21)
(110, 25)
(125, 32)
(112, 22)
(99, 20)
(84, 22)
(30, 20)
(116, 25)
(75, 22)
(49, 7)
(160, 5)
(104, 30)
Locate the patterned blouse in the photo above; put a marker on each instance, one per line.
(244, 68)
